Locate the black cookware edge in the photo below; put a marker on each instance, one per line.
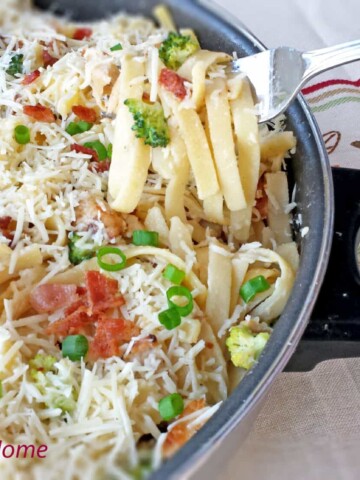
(334, 329)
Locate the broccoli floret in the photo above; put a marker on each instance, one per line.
(176, 49)
(16, 65)
(77, 253)
(40, 365)
(44, 363)
(64, 403)
(245, 346)
(55, 391)
(150, 122)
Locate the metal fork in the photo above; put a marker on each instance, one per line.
(277, 75)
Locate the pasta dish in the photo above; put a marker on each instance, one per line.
(145, 240)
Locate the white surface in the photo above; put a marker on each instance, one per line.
(304, 24)
(309, 25)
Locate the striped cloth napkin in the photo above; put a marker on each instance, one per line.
(307, 25)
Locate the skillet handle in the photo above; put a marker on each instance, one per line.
(334, 328)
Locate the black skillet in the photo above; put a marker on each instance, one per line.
(205, 454)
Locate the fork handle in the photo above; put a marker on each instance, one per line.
(318, 61)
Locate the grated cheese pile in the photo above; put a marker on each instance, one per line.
(44, 181)
(114, 402)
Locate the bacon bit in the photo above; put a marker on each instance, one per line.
(5, 228)
(262, 200)
(110, 334)
(5, 223)
(48, 298)
(82, 33)
(88, 151)
(173, 83)
(209, 345)
(40, 113)
(89, 315)
(78, 323)
(85, 113)
(100, 167)
(102, 292)
(48, 59)
(181, 433)
(31, 77)
(146, 97)
(80, 304)
(81, 291)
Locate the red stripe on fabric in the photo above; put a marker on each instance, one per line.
(328, 83)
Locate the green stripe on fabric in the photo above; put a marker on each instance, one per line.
(334, 103)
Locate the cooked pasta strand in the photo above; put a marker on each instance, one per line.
(219, 288)
(164, 17)
(239, 269)
(175, 191)
(195, 69)
(199, 153)
(131, 157)
(278, 194)
(247, 138)
(222, 140)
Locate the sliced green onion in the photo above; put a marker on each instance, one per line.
(180, 291)
(110, 150)
(22, 134)
(144, 237)
(85, 126)
(111, 267)
(170, 318)
(116, 47)
(16, 65)
(171, 406)
(253, 287)
(99, 148)
(174, 274)
(78, 127)
(75, 347)
(72, 129)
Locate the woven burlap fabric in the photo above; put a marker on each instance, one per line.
(308, 429)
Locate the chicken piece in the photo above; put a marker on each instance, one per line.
(6, 227)
(116, 224)
(89, 211)
(182, 432)
(132, 224)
